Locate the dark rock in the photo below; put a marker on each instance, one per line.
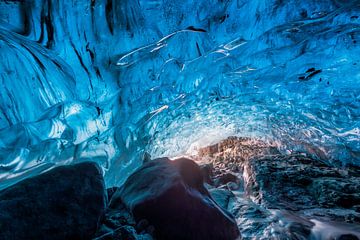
(233, 186)
(298, 182)
(104, 233)
(126, 232)
(357, 208)
(111, 191)
(142, 225)
(146, 157)
(150, 230)
(347, 237)
(117, 217)
(207, 172)
(121, 233)
(63, 203)
(226, 178)
(172, 197)
(117, 222)
(344, 192)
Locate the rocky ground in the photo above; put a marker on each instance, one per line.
(163, 199)
(275, 196)
(237, 189)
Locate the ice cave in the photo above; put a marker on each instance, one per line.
(180, 119)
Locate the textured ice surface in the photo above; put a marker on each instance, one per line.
(107, 80)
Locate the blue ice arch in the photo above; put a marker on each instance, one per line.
(109, 80)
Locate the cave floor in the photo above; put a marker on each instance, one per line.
(282, 196)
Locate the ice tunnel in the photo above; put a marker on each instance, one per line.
(119, 82)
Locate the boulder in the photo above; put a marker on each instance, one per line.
(63, 203)
(172, 197)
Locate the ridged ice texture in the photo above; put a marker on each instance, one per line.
(108, 80)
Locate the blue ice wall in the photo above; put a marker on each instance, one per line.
(107, 80)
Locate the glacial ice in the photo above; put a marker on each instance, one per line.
(109, 80)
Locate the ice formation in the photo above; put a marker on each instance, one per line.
(109, 80)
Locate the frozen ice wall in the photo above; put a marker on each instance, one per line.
(107, 80)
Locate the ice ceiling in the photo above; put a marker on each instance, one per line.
(108, 80)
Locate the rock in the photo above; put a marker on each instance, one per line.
(233, 186)
(172, 197)
(299, 183)
(295, 183)
(113, 219)
(221, 196)
(347, 237)
(344, 192)
(119, 224)
(226, 178)
(103, 233)
(142, 225)
(207, 172)
(123, 233)
(111, 191)
(63, 203)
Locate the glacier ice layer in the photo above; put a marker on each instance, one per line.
(110, 80)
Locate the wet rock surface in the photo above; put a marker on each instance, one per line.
(298, 182)
(63, 203)
(170, 196)
(284, 196)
